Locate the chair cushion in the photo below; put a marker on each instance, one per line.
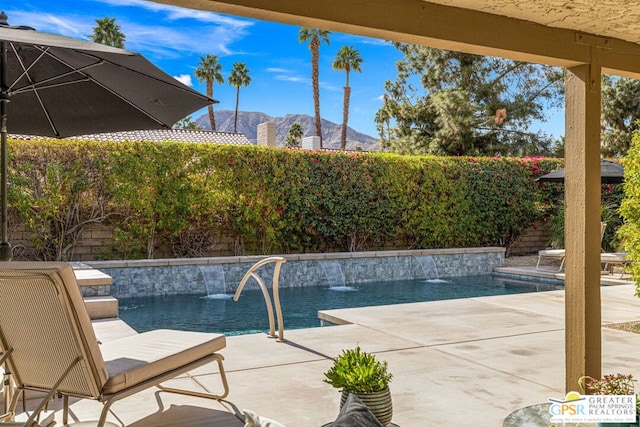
(134, 359)
(558, 253)
(614, 257)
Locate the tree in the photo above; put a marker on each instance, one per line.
(108, 32)
(209, 71)
(187, 123)
(239, 77)
(346, 60)
(620, 112)
(315, 37)
(294, 135)
(466, 104)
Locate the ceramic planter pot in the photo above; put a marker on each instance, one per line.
(378, 402)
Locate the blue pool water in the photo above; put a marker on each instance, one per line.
(300, 305)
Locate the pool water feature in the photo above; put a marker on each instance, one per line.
(300, 305)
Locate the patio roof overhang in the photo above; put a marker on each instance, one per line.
(586, 37)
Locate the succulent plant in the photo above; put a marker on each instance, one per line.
(358, 372)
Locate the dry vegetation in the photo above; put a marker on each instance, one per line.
(627, 326)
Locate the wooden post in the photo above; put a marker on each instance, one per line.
(582, 223)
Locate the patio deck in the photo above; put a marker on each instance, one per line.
(455, 361)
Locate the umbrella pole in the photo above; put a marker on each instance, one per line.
(5, 246)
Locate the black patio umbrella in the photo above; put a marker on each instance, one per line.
(55, 86)
(610, 173)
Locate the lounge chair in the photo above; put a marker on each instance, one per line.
(610, 259)
(48, 342)
(559, 254)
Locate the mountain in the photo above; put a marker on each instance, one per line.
(248, 125)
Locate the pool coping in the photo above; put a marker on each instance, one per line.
(290, 257)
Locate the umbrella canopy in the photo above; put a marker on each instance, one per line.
(610, 173)
(56, 86)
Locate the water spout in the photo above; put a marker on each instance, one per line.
(214, 281)
(334, 275)
(429, 268)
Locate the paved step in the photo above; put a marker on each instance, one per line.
(101, 307)
(95, 287)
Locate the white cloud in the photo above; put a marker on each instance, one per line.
(330, 87)
(175, 12)
(284, 74)
(70, 26)
(294, 79)
(184, 79)
(172, 41)
(162, 37)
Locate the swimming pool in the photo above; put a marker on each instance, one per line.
(300, 305)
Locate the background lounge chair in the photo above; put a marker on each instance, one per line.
(611, 259)
(559, 254)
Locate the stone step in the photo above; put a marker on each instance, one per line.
(101, 307)
(95, 287)
(92, 282)
(92, 277)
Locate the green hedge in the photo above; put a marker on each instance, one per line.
(275, 200)
(630, 209)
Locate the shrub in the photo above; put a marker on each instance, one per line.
(630, 209)
(171, 196)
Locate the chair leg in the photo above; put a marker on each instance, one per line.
(105, 412)
(65, 409)
(223, 378)
(538, 264)
(540, 259)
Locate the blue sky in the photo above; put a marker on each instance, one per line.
(280, 67)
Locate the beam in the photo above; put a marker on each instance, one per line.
(434, 25)
(582, 222)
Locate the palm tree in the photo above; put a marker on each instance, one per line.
(108, 32)
(315, 36)
(295, 133)
(347, 59)
(209, 71)
(239, 77)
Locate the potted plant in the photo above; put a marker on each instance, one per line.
(360, 373)
(613, 384)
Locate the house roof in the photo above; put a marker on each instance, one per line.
(159, 135)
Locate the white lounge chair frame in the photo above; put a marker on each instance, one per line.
(47, 340)
(610, 259)
(560, 254)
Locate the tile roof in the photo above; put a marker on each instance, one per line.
(159, 135)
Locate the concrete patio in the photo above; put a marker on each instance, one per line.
(455, 361)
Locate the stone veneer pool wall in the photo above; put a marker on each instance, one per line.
(190, 275)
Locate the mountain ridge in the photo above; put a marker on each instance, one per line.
(248, 122)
